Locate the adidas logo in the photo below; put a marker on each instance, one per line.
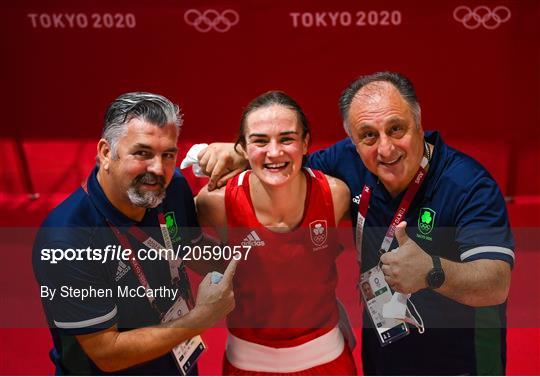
(253, 239)
(121, 271)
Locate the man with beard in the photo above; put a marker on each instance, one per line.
(134, 199)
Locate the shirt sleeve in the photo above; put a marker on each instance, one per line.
(483, 229)
(328, 160)
(83, 300)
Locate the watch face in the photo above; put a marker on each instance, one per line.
(436, 278)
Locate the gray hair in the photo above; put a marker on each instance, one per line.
(400, 82)
(149, 107)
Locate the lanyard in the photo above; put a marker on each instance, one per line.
(363, 206)
(149, 242)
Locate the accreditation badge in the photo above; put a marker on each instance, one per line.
(376, 292)
(188, 352)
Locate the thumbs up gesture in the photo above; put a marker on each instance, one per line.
(406, 267)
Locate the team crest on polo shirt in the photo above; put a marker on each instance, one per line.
(318, 230)
(172, 226)
(426, 219)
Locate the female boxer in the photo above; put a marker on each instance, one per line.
(286, 315)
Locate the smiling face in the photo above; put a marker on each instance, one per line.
(142, 167)
(274, 144)
(386, 137)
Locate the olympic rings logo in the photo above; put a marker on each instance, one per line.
(211, 19)
(482, 15)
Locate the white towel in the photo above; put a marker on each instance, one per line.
(191, 159)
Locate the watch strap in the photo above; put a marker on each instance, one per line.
(436, 262)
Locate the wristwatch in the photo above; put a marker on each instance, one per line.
(435, 277)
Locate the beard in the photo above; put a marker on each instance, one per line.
(146, 199)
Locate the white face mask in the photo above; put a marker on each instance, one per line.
(397, 308)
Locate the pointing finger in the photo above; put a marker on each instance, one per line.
(229, 272)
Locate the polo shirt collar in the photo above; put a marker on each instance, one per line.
(436, 165)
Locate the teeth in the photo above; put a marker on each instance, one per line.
(275, 166)
(390, 162)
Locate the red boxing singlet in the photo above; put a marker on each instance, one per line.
(285, 290)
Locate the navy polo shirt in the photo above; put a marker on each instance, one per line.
(458, 214)
(81, 221)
